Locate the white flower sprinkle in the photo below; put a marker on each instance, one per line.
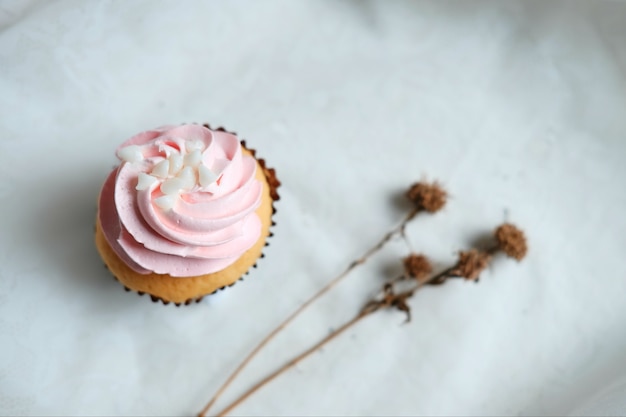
(195, 145)
(193, 159)
(161, 169)
(172, 186)
(166, 202)
(130, 154)
(176, 163)
(145, 181)
(187, 177)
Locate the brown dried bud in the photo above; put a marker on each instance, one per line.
(511, 241)
(417, 266)
(471, 264)
(429, 197)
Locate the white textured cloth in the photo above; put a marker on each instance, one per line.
(519, 109)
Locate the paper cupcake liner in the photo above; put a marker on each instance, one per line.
(273, 183)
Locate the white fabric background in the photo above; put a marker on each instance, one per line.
(518, 108)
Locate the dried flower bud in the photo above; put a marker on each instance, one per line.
(471, 264)
(429, 197)
(511, 241)
(417, 266)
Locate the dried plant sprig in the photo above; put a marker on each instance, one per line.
(469, 265)
(417, 266)
(512, 241)
(426, 197)
(391, 299)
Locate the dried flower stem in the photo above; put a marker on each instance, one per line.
(400, 229)
(293, 362)
(369, 308)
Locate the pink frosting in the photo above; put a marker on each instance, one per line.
(208, 227)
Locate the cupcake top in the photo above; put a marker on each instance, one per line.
(182, 201)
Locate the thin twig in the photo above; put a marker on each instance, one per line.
(405, 237)
(369, 308)
(359, 261)
(294, 362)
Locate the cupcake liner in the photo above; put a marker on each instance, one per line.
(273, 183)
(156, 299)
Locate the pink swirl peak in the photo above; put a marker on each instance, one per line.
(182, 202)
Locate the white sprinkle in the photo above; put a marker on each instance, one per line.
(207, 177)
(172, 186)
(169, 150)
(166, 202)
(176, 163)
(188, 178)
(130, 154)
(161, 169)
(145, 181)
(194, 145)
(193, 159)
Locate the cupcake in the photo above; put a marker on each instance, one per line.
(187, 212)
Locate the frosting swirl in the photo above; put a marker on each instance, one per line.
(182, 202)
